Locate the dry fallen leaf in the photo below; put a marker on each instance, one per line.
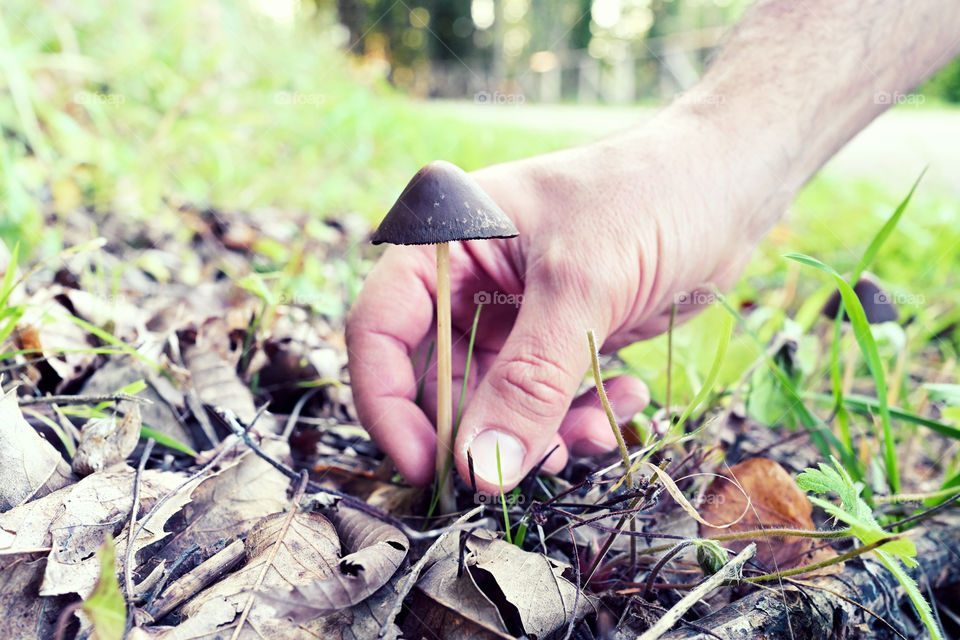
(227, 504)
(212, 362)
(30, 466)
(775, 501)
(288, 550)
(377, 549)
(25, 615)
(75, 520)
(105, 441)
(504, 589)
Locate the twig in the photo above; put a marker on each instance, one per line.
(131, 537)
(411, 578)
(576, 598)
(312, 487)
(272, 555)
(297, 408)
(83, 399)
(729, 571)
(660, 564)
(922, 515)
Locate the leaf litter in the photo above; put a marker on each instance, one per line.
(222, 546)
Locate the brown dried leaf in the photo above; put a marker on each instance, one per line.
(377, 549)
(25, 613)
(75, 520)
(775, 501)
(505, 589)
(227, 504)
(30, 466)
(105, 442)
(212, 361)
(306, 550)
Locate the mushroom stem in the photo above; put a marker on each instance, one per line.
(444, 383)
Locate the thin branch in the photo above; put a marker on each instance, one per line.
(729, 571)
(131, 533)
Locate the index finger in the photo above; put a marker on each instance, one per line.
(391, 316)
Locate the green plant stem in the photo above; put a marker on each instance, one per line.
(668, 399)
(853, 553)
(766, 533)
(598, 381)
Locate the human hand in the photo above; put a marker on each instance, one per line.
(611, 235)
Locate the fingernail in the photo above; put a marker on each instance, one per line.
(483, 448)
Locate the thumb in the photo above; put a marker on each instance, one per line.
(525, 394)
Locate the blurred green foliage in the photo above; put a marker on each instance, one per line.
(139, 108)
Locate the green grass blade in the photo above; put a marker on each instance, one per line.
(466, 371)
(867, 258)
(503, 499)
(861, 330)
(726, 331)
(9, 277)
(865, 405)
(165, 440)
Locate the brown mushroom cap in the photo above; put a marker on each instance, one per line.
(443, 204)
(876, 302)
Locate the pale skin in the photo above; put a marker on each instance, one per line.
(612, 232)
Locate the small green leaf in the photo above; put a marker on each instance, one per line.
(710, 556)
(106, 607)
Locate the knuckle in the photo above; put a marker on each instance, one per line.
(533, 386)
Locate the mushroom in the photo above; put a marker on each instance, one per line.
(877, 304)
(440, 205)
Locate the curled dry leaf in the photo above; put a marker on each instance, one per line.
(377, 549)
(307, 587)
(30, 466)
(504, 590)
(105, 442)
(775, 500)
(75, 521)
(165, 400)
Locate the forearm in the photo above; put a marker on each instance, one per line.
(797, 79)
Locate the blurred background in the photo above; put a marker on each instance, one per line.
(294, 115)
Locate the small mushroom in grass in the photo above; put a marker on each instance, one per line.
(440, 205)
(877, 304)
